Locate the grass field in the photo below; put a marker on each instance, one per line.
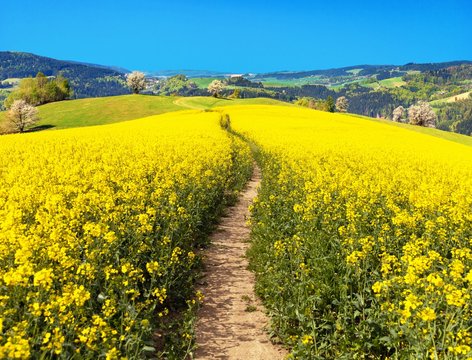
(202, 102)
(103, 110)
(203, 82)
(309, 80)
(386, 83)
(451, 99)
(107, 110)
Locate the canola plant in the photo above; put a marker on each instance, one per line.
(98, 228)
(361, 233)
(362, 236)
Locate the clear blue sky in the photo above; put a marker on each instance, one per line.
(239, 36)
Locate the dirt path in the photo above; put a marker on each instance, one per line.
(184, 103)
(231, 322)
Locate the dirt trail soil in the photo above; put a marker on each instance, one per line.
(232, 324)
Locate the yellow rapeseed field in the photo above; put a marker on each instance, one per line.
(362, 236)
(98, 228)
(362, 233)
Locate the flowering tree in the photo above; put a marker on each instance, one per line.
(422, 114)
(136, 81)
(342, 104)
(20, 115)
(398, 114)
(215, 87)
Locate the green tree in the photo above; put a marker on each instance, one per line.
(236, 94)
(175, 85)
(40, 90)
(330, 105)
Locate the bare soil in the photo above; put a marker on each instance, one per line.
(232, 323)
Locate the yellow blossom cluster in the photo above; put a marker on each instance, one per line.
(98, 227)
(383, 217)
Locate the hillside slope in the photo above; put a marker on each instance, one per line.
(86, 80)
(107, 110)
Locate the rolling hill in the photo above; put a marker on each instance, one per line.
(87, 80)
(318, 168)
(107, 110)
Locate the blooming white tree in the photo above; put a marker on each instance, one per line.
(398, 114)
(215, 87)
(422, 114)
(136, 81)
(20, 115)
(342, 104)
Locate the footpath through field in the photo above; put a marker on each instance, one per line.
(232, 324)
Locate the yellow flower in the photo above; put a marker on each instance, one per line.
(43, 278)
(307, 340)
(427, 314)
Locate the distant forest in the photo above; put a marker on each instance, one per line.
(85, 80)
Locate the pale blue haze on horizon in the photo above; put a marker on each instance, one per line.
(239, 36)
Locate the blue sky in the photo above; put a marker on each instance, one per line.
(239, 36)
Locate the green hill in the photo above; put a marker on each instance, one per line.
(107, 110)
(204, 102)
(99, 111)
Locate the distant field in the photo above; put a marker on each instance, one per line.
(354, 71)
(203, 82)
(202, 102)
(309, 80)
(107, 110)
(451, 99)
(12, 81)
(387, 83)
(392, 82)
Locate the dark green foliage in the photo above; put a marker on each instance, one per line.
(463, 127)
(176, 85)
(40, 90)
(387, 74)
(315, 91)
(463, 114)
(85, 80)
(317, 104)
(243, 82)
(3, 96)
(236, 94)
(330, 104)
(432, 66)
(375, 103)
